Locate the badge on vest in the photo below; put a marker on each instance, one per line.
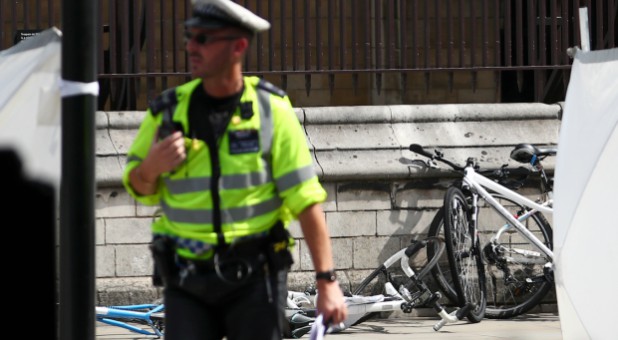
(244, 141)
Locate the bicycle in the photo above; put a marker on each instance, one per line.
(300, 313)
(411, 292)
(517, 257)
(146, 319)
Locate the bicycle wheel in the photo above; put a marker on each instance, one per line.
(441, 273)
(517, 279)
(463, 251)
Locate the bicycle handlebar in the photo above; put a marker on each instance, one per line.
(437, 156)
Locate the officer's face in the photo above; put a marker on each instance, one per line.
(212, 52)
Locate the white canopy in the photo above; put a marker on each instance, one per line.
(585, 203)
(30, 104)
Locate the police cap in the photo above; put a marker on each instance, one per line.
(214, 14)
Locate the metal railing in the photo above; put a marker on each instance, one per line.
(522, 43)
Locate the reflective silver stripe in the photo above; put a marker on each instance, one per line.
(266, 123)
(295, 177)
(132, 158)
(187, 185)
(242, 213)
(232, 215)
(242, 181)
(239, 181)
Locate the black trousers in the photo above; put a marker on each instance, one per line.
(204, 307)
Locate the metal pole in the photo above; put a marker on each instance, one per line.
(77, 190)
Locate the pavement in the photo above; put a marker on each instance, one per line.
(545, 326)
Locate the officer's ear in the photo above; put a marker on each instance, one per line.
(241, 45)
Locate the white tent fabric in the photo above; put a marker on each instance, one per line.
(30, 104)
(586, 185)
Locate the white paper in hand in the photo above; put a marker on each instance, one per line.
(317, 329)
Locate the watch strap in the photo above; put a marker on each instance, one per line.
(328, 275)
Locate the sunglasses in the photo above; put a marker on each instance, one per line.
(203, 39)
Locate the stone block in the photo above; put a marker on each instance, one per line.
(105, 261)
(127, 230)
(370, 252)
(114, 202)
(404, 222)
(363, 196)
(133, 260)
(351, 223)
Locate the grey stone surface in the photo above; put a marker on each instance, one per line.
(380, 194)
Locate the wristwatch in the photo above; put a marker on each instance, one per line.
(328, 275)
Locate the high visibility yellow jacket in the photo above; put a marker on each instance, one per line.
(260, 183)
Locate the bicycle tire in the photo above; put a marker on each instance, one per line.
(529, 281)
(464, 255)
(441, 273)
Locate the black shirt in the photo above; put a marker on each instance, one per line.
(209, 116)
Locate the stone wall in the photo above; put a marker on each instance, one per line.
(380, 195)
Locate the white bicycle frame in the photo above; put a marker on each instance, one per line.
(479, 182)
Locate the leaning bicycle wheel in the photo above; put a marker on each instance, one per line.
(441, 272)
(517, 276)
(463, 251)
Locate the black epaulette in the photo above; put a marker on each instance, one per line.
(165, 101)
(267, 86)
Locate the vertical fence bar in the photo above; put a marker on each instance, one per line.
(611, 25)
(508, 24)
(542, 28)
(566, 43)
(318, 38)
(450, 43)
(342, 35)
(497, 47)
(163, 15)
(403, 31)
(485, 33)
(367, 27)
(295, 44)
(259, 40)
(426, 47)
(532, 47)
(284, 45)
(331, 44)
(391, 35)
(37, 13)
(473, 44)
(176, 19)
(2, 26)
(438, 38)
(271, 38)
(599, 25)
(354, 43)
(307, 47)
(188, 9)
(555, 42)
(26, 16)
(379, 46)
(414, 34)
(14, 15)
(462, 36)
(150, 49)
(50, 13)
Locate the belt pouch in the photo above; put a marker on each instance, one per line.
(163, 250)
(279, 255)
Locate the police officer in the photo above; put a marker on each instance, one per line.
(226, 159)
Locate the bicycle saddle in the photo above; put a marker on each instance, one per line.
(524, 153)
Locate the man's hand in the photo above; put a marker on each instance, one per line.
(331, 303)
(164, 156)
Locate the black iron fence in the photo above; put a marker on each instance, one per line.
(521, 43)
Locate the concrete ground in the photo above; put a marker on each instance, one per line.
(542, 326)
